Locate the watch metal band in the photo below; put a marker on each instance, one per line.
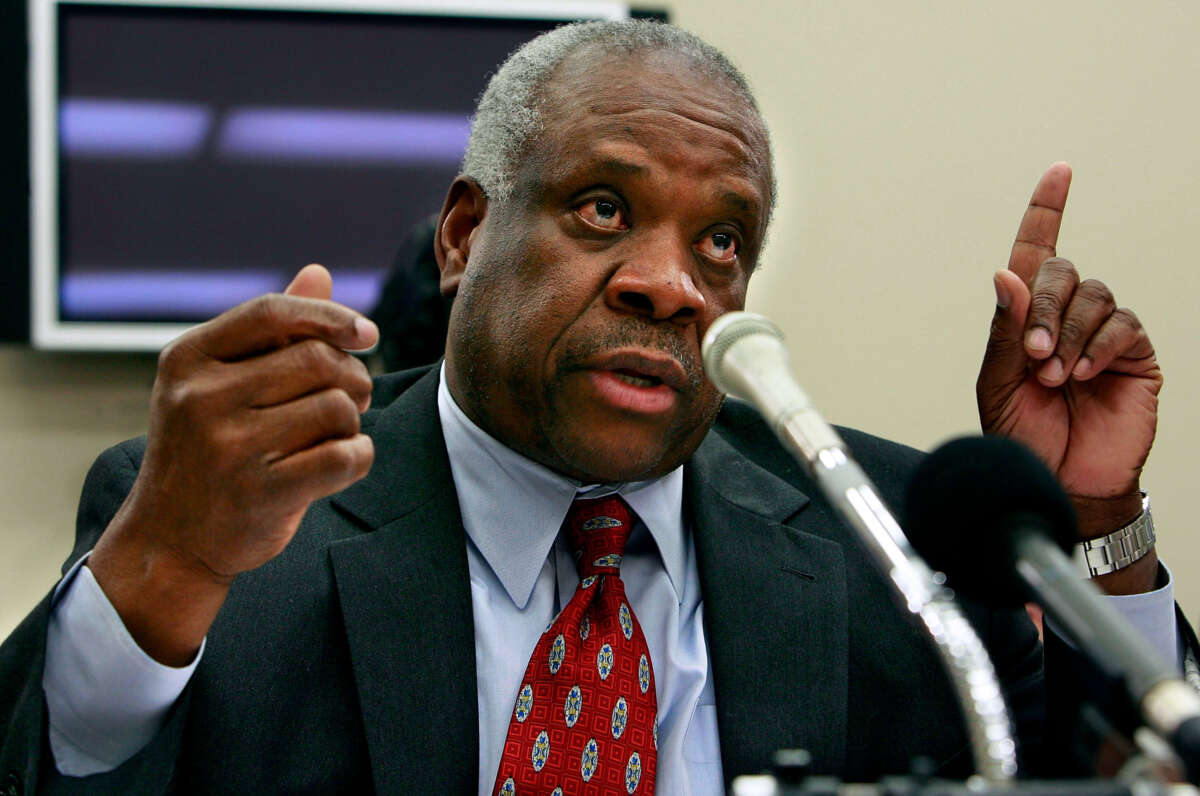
(1118, 549)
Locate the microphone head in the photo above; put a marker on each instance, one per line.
(723, 333)
(967, 502)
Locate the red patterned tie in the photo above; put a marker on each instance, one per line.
(586, 719)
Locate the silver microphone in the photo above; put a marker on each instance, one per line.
(744, 356)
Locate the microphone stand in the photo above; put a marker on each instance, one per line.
(1142, 775)
(746, 339)
(767, 785)
(963, 655)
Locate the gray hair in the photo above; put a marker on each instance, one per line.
(510, 111)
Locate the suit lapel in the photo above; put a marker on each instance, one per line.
(779, 681)
(775, 613)
(404, 596)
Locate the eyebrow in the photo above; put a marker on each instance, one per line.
(739, 201)
(622, 167)
(615, 165)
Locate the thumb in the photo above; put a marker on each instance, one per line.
(312, 281)
(1005, 360)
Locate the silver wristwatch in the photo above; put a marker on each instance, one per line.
(1118, 549)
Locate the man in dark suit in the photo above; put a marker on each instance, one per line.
(343, 615)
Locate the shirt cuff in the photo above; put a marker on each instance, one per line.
(1152, 614)
(105, 697)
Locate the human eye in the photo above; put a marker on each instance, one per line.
(721, 246)
(603, 212)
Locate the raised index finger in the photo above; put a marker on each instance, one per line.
(275, 320)
(1037, 237)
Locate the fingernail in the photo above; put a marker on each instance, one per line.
(1039, 340)
(1003, 298)
(365, 330)
(1052, 371)
(1082, 368)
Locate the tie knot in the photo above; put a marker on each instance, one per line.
(597, 530)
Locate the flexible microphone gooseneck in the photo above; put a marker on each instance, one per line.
(993, 490)
(744, 356)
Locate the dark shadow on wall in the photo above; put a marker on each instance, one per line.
(411, 313)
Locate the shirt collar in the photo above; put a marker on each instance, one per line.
(512, 507)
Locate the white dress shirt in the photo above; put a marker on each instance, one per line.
(522, 575)
(106, 698)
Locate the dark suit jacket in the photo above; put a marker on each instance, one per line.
(347, 663)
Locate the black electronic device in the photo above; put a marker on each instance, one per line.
(186, 155)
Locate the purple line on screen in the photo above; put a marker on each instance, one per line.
(204, 293)
(321, 134)
(131, 128)
(358, 289)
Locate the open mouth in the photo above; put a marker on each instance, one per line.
(632, 391)
(637, 379)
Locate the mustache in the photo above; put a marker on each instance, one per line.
(631, 332)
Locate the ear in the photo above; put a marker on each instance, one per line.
(461, 219)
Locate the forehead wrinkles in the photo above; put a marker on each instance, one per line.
(600, 84)
(724, 114)
(659, 126)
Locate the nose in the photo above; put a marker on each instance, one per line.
(659, 286)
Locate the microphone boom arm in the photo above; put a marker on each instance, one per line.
(734, 348)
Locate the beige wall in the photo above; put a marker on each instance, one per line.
(908, 136)
(57, 411)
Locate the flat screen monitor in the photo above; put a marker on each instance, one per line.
(188, 155)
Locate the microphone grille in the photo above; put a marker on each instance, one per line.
(966, 501)
(724, 332)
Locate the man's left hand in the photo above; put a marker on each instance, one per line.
(1069, 373)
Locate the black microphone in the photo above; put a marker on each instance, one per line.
(967, 503)
(987, 513)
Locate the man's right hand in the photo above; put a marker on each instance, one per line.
(253, 416)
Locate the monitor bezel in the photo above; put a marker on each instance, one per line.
(48, 330)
